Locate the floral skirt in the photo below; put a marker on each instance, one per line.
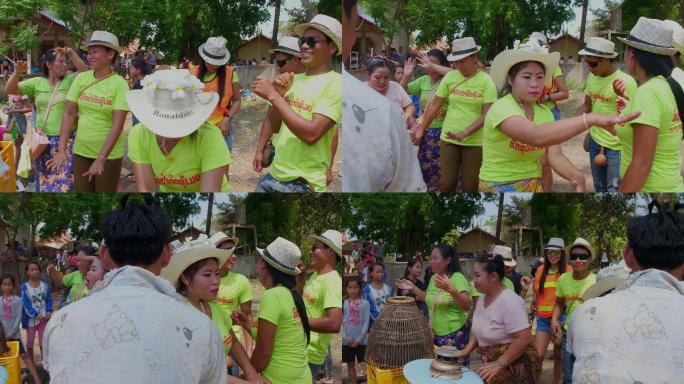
(525, 370)
(525, 185)
(428, 157)
(61, 180)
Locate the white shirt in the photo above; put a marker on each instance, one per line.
(634, 334)
(378, 153)
(133, 328)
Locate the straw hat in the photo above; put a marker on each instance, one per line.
(541, 39)
(327, 25)
(461, 48)
(288, 45)
(599, 47)
(282, 255)
(529, 51)
(331, 238)
(171, 103)
(607, 279)
(507, 254)
(191, 252)
(219, 237)
(677, 34)
(580, 242)
(105, 39)
(555, 244)
(214, 51)
(651, 35)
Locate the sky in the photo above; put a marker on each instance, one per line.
(267, 27)
(574, 26)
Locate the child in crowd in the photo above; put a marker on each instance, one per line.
(377, 292)
(37, 300)
(355, 320)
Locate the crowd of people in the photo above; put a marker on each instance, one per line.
(182, 118)
(599, 323)
(501, 130)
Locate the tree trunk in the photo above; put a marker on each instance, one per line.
(499, 217)
(276, 20)
(583, 25)
(210, 208)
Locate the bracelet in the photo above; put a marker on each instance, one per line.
(584, 118)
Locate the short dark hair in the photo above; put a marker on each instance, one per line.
(88, 250)
(10, 277)
(373, 265)
(49, 57)
(439, 54)
(492, 264)
(136, 233)
(378, 62)
(140, 64)
(657, 238)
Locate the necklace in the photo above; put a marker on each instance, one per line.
(523, 108)
(166, 152)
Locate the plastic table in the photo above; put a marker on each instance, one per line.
(418, 372)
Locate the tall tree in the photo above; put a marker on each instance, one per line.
(583, 23)
(210, 209)
(276, 24)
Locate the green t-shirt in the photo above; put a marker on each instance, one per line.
(40, 93)
(658, 109)
(557, 73)
(320, 293)
(320, 94)
(234, 291)
(465, 98)
(506, 282)
(223, 322)
(289, 363)
(503, 158)
(603, 98)
(96, 106)
(195, 154)
(422, 87)
(446, 316)
(572, 291)
(77, 284)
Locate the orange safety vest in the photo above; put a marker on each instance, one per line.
(547, 299)
(212, 86)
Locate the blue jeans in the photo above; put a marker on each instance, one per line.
(268, 183)
(328, 365)
(314, 371)
(556, 113)
(606, 178)
(229, 139)
(568, 360)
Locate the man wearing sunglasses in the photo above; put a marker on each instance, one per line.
(571, 287)
(599, 96)
(306, 107)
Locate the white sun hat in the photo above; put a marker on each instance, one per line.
(541, 39)
(528, 51)
(607, 279)
(219, 237)
(104, 39)
(331, 238)
(651, 35)
(329, 26)
(191, 252)
(555, 244)
(677, 34)
(580, 242)
(282, 255)
(599, 47)
(171, 103)
(507, 254)
(461, 48)
(214, 51)
(288, 45)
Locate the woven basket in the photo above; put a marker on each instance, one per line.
(400, 334)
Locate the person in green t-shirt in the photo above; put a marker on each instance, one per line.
(569, 292)
(599, 96)
(654, 165)
(98, 96)
(194, 271)
(425, 87)
(173, 147)
(323, 296)
(518, 130)
(306, 109)
(469, 94)
(48, 92)
(75, 281)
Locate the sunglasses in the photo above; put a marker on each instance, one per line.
(592, 64)
(581, 256)
(318, 246)
(281, 63)
(310, 41)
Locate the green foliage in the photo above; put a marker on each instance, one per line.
(451, 238)
(633, 9)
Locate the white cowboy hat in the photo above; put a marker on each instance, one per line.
(599, 47)
(288, 45)
(541, 39)
(105, 39)
(214, 51)
(461, 48)
(529, 51)
(507, 254)
(219, 237)
(651, 35)
(580, 242)
(555, 244)
(607, 279)
(677, 34)
(331, 238)
(282, 255)
(329, 26)
(191, 252)
(171, 103)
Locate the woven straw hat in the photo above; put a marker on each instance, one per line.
(219, 237)
(329, 26)
(282, 255)
(607, 279)
(461, 48)
(214, 51)
(528, 51)
(191, 252)
(580, 242)
(288, 45)
(332, 239)
(677, 34)
(555, 244)
(599, 47)
(105, 39)
(651, 35)
(507, 254)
